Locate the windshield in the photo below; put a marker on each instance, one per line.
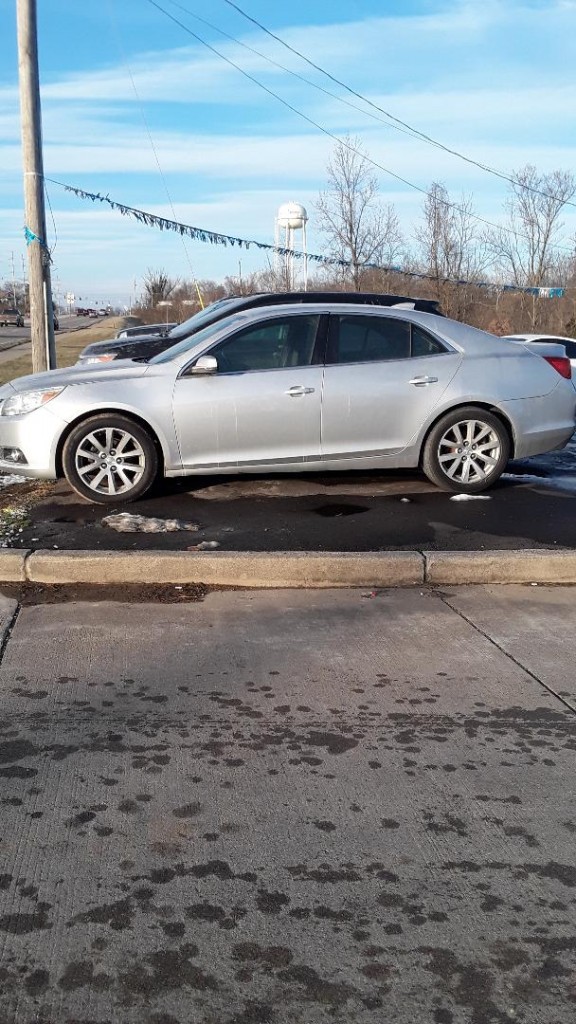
(205, 316)
(198, 338)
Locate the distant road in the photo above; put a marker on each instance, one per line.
(16, 340)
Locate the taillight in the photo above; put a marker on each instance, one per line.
(561, 364)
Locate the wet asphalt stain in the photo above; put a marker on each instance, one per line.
(188, 810)
(23, 924)
(335, 511)
(170, 889)
(16, 750)
(164, 971)
(216, 915)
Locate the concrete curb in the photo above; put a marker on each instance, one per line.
(289, 568)
(530, 566)
(237, 568)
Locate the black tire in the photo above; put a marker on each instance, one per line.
(96, 461)
(469, 441)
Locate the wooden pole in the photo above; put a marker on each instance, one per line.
(40, 290)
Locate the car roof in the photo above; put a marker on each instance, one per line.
(367, 298)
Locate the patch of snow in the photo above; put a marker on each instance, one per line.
(12, 478)
(558, 483)
(470, 497)
(126, 522)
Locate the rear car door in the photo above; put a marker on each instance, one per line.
(384, 376)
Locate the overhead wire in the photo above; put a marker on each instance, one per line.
(398, 122)
(412, 133)
(336, 138)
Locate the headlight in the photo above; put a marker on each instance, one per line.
(99, 359)
(27, 401)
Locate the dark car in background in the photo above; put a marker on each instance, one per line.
(10, 316)
(144, 347)
(145, 330)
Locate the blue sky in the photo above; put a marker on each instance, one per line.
(136, 108)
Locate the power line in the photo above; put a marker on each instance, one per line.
(412, 133)
(398, 123)
(337, 138)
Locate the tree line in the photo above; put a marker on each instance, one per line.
(451, 243)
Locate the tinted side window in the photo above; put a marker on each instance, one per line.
(423, 344)
(272, 345)
(366, 339)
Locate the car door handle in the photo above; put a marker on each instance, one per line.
(298, 390)
(421, 382)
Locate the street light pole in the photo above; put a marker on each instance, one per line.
(40, 290)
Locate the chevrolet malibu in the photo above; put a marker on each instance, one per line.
(319, 387)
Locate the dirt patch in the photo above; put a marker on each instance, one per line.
(39, 593)
(27, 493)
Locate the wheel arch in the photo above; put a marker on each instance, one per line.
(112, 411)
(486, 406)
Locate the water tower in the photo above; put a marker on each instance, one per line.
(290, 219)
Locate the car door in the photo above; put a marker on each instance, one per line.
(262, 405)
(384, 376)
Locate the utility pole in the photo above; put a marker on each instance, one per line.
(40, 290)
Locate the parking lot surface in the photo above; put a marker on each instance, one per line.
(328, 512)
(290, 808)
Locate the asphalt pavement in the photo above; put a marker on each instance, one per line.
(289, 808)
(534, 506)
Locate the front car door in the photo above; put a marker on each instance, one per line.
(261, 408)
(384, 375)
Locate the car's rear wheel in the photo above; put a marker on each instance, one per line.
(110, 459)
(466, 451)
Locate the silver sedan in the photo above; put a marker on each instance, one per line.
(281, 388)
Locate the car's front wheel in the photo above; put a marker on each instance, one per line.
(466, 451)
(110, 459)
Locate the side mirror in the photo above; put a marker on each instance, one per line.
(203, 367)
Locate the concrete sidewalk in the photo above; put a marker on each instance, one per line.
(290, 808)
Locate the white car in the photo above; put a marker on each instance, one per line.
(548, 339)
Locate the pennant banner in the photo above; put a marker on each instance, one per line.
(215, 238)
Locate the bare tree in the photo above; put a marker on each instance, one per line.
(158, 287)
(450, 250)
(526, 247)
(358, 228)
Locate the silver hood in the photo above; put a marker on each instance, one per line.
(91, 373)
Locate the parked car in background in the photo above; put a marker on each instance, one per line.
(147, 346)
(324, 386)
(548, 339)
(92, 313)
(10, 316)
(145, 330)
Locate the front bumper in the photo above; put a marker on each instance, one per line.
(36, 435)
